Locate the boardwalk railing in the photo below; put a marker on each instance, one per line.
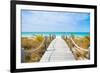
(36, 52)
(35, 49)
(79, 53)
(33, 52)
(78, 46)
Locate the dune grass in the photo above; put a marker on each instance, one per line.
(29, 43)
(82, 42)
(32, 43)
(38, 43)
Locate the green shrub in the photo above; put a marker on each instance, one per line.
(39, 38)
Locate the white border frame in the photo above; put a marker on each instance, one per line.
(20, 65)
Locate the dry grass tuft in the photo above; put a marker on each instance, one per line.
(83, 42)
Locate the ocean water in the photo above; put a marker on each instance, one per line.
(29, 34)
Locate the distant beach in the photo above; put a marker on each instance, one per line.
(57, 34)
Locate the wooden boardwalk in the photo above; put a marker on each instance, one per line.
(58, 50)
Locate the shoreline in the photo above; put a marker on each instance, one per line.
(30, 34)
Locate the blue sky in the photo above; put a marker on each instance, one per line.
(49, 21)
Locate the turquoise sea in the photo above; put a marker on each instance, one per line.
(25, 34)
